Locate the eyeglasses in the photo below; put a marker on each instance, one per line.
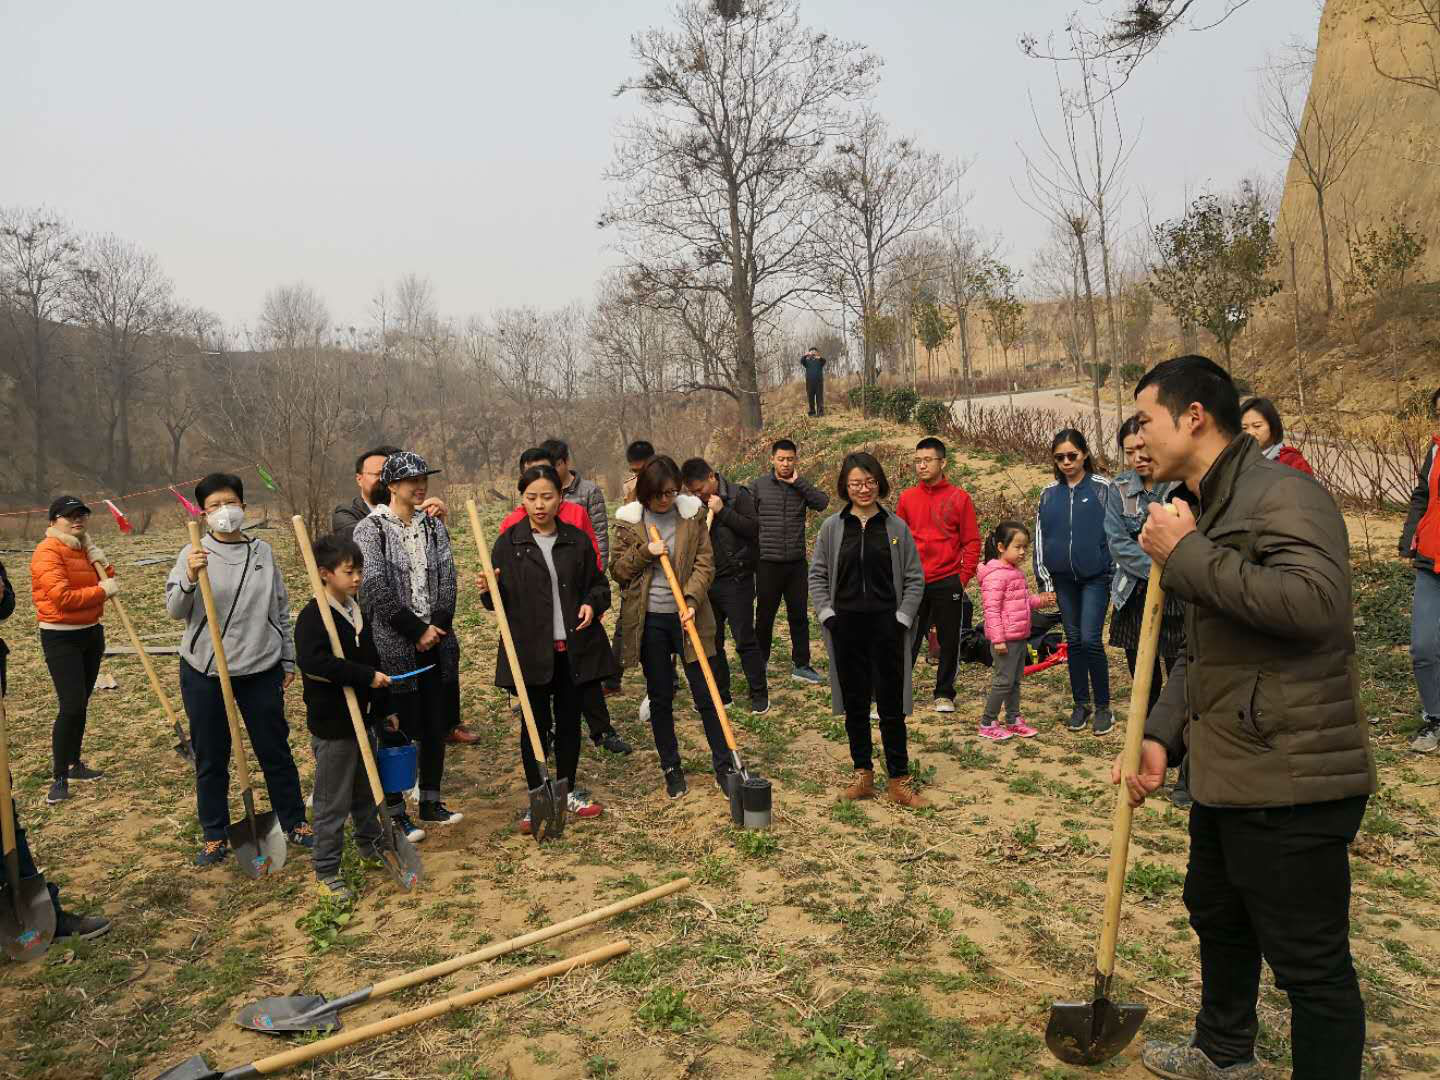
(668, 493)
(862, 485)
(928, 459)
(1065, 459)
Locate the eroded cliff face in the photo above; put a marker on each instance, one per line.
(1397, 175)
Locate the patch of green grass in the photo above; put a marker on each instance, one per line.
(1028, 784)
(325, 923)
(1000, 1052)
(228, 977)
(849, 813)
(1409, 885)
(1404, 957)
(756, 843)
(1151, 881)
(665, 1009)
(600, 1067)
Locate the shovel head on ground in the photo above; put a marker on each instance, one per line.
(296, 1013)
(27, 920)
(549, 804)
(193, 1068)
(401, 859)
(269, 855)
(1087, 1033)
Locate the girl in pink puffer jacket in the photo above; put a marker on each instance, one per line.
(1007, 601)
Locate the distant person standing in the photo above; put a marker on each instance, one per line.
(373, 494)
(1420, 542)
(942, 519)
(1261, 420)
(782, 499)
(637, 455)
(583, 493)
(814, 365)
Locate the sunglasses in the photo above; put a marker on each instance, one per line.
(1066, 458)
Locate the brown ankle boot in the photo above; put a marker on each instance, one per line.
(899, 791)
(863, 786)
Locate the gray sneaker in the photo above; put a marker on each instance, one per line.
(806, 673)
(1185, 1061)
(59, 792)
(1427, 739)
(1079, 718)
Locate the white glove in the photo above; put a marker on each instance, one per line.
(110, 585)
(94, 554)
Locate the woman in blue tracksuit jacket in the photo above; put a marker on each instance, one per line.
(1072, 558)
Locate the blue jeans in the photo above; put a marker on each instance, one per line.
(662, 639)
(1083, 603)
(1425, 640)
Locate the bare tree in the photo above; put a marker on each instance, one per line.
(1005, 315)
(177, 395)
(1321, 134)
(740, 100)
(967, 254)
(633, 341)
(1415, 31)
(523, 338)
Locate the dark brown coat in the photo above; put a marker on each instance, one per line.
(631, 564)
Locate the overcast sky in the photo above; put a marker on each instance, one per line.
(347, 143)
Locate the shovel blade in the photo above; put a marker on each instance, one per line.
(281, 1015)
(266, 858)
(27, 920)
(1087, 1033)
(191, 1069)
(549, 804)
(403, 862)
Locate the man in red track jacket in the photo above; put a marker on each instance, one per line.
(942, 517)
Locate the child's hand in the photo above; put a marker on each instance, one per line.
(1047, 599)
(1001, 648)
(380, 681)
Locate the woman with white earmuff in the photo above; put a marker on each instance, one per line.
(251, 600)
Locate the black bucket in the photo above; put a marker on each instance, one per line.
(755, 800)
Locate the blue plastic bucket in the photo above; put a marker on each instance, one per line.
(398, 767)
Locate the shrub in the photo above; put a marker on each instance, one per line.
(900, 404)
(876, 395)
(932, 416)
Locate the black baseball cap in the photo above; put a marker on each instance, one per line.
(404, 466)
(67, 506)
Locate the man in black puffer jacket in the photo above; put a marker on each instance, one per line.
(782, 499)
(734, 532)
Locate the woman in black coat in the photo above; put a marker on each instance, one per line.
(554, 596)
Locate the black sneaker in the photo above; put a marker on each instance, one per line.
(1079, 718)
(1104, 722)
(759, 706)
(439, 813)
(59, 792)
(81, 927)
(1181, 798)
(806, 674)
(675, 784)
(612, 741)
(213, 851)
(81, 771)
(412, 832)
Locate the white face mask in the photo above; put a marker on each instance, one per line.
(226, 519)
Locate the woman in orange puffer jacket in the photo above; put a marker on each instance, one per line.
(70, 597)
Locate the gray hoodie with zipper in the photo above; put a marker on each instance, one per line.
(253, 603)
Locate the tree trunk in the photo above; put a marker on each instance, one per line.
(123, 467)
(1114, 339)
(1325, 250)
(1094, 338)
(1299, 353)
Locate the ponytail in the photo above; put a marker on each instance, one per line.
(999, 539)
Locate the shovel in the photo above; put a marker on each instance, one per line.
(399, 855)
(196, 1068)
(749, 795)
(258, 841)
(27, 915)
(549, 802)
(1081, 1033)
(310, 1012)
(183, 747)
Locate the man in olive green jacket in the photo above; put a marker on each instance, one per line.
(1265, 696)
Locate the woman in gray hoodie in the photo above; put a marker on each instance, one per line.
(251, 599)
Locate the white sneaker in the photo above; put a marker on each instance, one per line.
(944, 704)
(645, 711)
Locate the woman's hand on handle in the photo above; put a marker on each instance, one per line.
(1150, 775)
(656, 548)
(110, 585)
(587, 616)
(687, 616)
(198, 559)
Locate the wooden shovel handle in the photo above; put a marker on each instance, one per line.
(7, 807)
(217, 634)
(322, 601)
(524, 941)
(536, 747)
(145, 661)
(1129, 764)
(279, 1062)
(684, 605)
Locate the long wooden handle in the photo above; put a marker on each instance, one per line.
(322, 601)
(217, 635)
(506, 638)
(7, 807)
(145, 661)
(684, 605)
(1129, 764)
(279, 1062)
(490, 952)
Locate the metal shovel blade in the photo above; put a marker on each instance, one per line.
(269, 856)
(27, 921)
(549, 804)
(1087, 1033)
(402, 860)
(299, 1012)
(191, 1069)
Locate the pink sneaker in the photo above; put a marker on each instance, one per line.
(994, 732)
(1019, 727)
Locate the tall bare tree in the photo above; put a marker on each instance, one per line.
(523, 338)
(177, 393)
(740, 100)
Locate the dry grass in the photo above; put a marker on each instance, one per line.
(852, 941)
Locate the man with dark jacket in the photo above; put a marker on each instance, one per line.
(1420, 542)
(814, 365)
(586, 494)
(1265, 696)
(782, 499)
(734, 531)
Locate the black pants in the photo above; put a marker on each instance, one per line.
(73, 657)
(426, 717)
(556, 706)
(1276, 884)
(789, 581)
(815, 396)
(618, 645)
(733, 601)
(261, 700)
(596, 712)
(663, 639)
(1131, 655)
(945, 607)
(869, 656)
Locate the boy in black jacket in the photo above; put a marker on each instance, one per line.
(342, 788)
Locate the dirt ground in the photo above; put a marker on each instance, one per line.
(851, 941)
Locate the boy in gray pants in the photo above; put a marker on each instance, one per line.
(342, 787)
